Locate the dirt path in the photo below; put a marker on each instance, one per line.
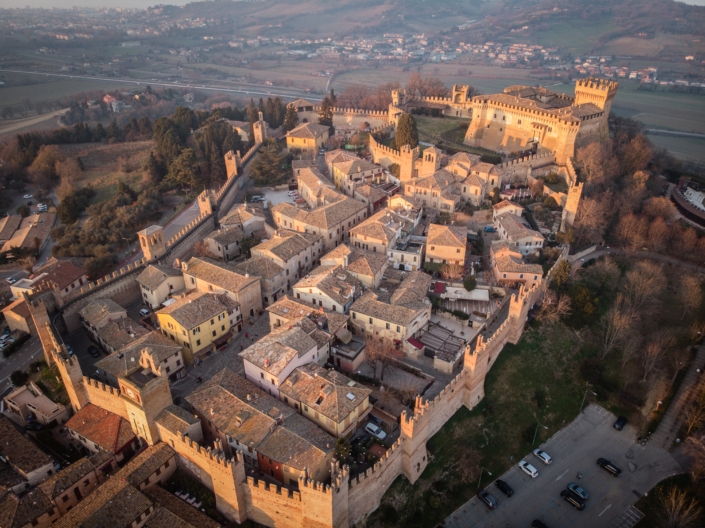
(12, 126)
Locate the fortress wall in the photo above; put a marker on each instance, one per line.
(105, 396)
(273, 505)
(591, 131)
(367, 489)
(520, 168)
(446, 404)
(187, 238)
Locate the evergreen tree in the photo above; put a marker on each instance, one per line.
(261, 106)
(267, 168)
(333, 98)
(279, 112)
(269, 113)
(291, 120)
(217, 163)
(183, 169)
(251, 112)
(407, 133)
(325, 116)
(233, 142)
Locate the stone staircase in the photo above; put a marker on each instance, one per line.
(673, 419)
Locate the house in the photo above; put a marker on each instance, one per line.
(331, 287)
(446, 244)
(505, 206)
(225, 243)
(273, 283)
(150, 350)
(331, 400)
(307, 137)
(270, 360)
(30, 403)
(61, 276)
(249, 217)
(25, 286)
(208, 275)
(119, 333)
(270, 435)
(172, 512)
(97, 314)
(439, 191)
(69, 486)
(332, 221)
(23, 464)
(365, 266)
(381, 231)
(200, 323)
(394, 315)
(509, 266)
(298, 165)
(8, 226)
(332, 157)
(295, 252)
(18, 317)
(315, 188)
(99, 430)
(31, 509)
(516, 230)
(302, 105)
(350, 174)
(158, 282)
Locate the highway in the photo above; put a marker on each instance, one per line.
(255, 90)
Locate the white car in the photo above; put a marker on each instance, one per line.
(27, 195)
(543, 456)
(257, 199)
(293, 193)
(528, 469)
(144, 312)
(375, 431)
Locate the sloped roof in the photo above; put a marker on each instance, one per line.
(178, 510)
(63, 275)
(287, 244)
(121, 332)
(333, 281)
(197, 307)
(19, 512)
(8, 226)
(260, 267)
(102, 427)
(308, 131)
(124, 359)
(21, 453)
(18, 307)
(175, 419)
(227, 235)
(273, 352)
(95, 311)
(67, 477)
(155, 274)
(366, 263)
(220, 274)
(448, 236)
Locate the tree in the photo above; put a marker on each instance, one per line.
(641, 286)
(695, 447)
(183, 169)
(7, 112)
(291, 120)
(597, 164)
(676, 510)
(656, 347)
(689, 294)
(615, 325)
(200, 249)
(567, 237)
(23, 211)
(28, 263)
(695, 413)
(629, 351)
(69, 169)
(217, 165)
(536, 188)
(342, 449)
(659, 206)
(470, 283)
(561, 275)
(407, 133)
(246, 245)
(450, 271)
(554, 307)
(395, 169)
(550, 203)
(65, 188)
(45, 162)
(496, 195)
(379, 355)
(325, 114)
(269, 168)
(632, 231)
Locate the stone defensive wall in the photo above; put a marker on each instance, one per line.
(383, 155)
(105, 396)
(540, 116)
(571, 176)
(526, 165)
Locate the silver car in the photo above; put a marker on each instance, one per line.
(543, 456)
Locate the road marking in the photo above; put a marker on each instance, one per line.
(603, 511)
(561, 475)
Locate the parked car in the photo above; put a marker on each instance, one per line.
(580, 492)
(504, 487)
(93, 351)
(35, 426)
(144, 312)
(359, 440)
(573, 500)
(69, 349)
(257, 199)
(293, 193)
(488, 499)
(528, 469)
(375, 431)
(537, 524)
(543, 456)
(490, 229)
(27, 196)
(10, 280)
(620, 423)
(609, 466)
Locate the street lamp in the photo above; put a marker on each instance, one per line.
(129, 248)
(537, 431)
(488, 472)
(587, 384)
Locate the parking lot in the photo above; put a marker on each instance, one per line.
(575, 448)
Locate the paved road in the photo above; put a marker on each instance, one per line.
(576, 448)
(20, 360)
(19, 124)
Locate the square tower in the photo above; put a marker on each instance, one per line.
(398, 97)
(600, 92)
(152, 242)
(260, 129)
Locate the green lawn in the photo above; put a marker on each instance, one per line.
(436, 125)
(578, 35)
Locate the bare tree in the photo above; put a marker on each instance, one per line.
(659, 234)
(630, 348)
(615, 325)
(65, 188)
(659, 206)
(678, 359)
(606, 273)
(695, 447)
(554, 307)
(379, 354)
(641, 286)
(597, 164)
(695, 413)
(631, 231)
(593, 217)
(200, 249)
(450, 271)
(655, 349)
(27, 263)
(689, 294)
(676, 510)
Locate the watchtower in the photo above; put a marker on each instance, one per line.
(431, 161)
(260, 129)
(206, 201)
(232, 163)
(600, 92)
(571, 206)
(398, 97)
(152, 242)
(145, 395)
(460, 93)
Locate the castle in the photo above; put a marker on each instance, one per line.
(145, 401)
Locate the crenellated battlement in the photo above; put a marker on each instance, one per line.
(102, 386)
(216, 455)
(273, 489)
(545, 158)
(595, 83)
(380, 466)
(378, 114)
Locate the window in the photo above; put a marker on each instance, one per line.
(221, 317)
(398, 329)
(197, 330)
(178, 362)
(212, 321)
(457, 251)
(261, 375)
(222, 328)
(370, 320)
(354, 315)
(433, 248)
(214, 332)
(198, 342)
(193, 281)
(387, 326)
(86, 482)
(536, 277)
(521, 276)
(520, 124)
(272, 380)
(183, 332)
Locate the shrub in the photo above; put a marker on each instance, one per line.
(552, 177)
(470, 283)
(434, 501)
(591, 369)
(494, 159)
(460, 315)
(19, 378)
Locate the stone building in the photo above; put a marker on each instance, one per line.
(158, 282)
(331, 287)
(225, 243)
(307, 138)
(446, 244)
(97, 314)
(294, 252)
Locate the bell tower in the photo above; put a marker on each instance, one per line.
(152, 242)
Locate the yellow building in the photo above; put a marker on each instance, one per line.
(307, 137)
(199, 322)
(446, 244)
(332, 401)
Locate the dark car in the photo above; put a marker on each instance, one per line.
(488, 499)
(537, 524)
(572, 499)
(35, 426)
(360, 439)
(504, 487)
(620, 423)
(93, 351)
(609, 466)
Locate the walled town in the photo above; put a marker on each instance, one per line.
(289, 354)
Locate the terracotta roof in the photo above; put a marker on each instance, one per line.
(220, 274)
(312, 178)
(325, 217)
(8, 226)
(333, 281)
(64, 275)
(20, 452)
(163, 518)
(155, 274)
(196, 307)
(330, 393)
(124, 359)
(227, 235)
(473, 180)
(286, 244)
(447, 236)
(38, 218)
(177, 508)
(366, 263)
(96, 311)
(19, 307)
(241, 213)
(67, 477)
(413, 289)
(301, 102)
(512, 264)
(439, 180)
(355, 166)
(308, 131)
(102, 427)
(506, 203)
(373, 194)
(515, 227)
(368, 304)
(142, 466)
(121, 332)
(273, 352)
(260, 267)
(175, 419)
(19, 512)
(383, 225)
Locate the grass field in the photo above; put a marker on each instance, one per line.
(436, 125)
(653, 46)
(685, 148)
(52, 90)
(578, 36)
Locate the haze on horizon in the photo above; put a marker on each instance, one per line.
(143, 4)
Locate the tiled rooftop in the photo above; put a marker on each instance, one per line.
(96, 311)
(259, 267)
(146, 463)
(308, 131)
(195, 308)
(286, 244)
(19, 512)
(273, 352)
(102, 427)
(21, 453)
(175, 419)
(122, 332)
(447, 236)
(178, 510)
(155, 274)
(67, 477)
(333, 281)
(227, 235)
(220, 274)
